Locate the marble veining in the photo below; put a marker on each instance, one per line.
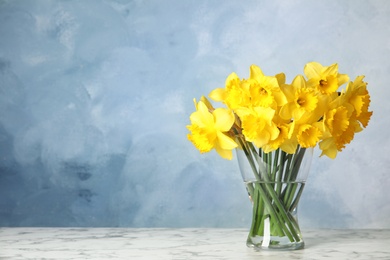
(190, 243)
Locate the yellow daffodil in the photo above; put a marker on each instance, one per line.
(337, 120)
(257, 125)
(324, 79)
(308, 135)
(300, 99)
(265, 90)
(357, 95)
(234, 95)
(279, 140)
(331, 145)
(283, 140)
(209, 130)
(340, 126)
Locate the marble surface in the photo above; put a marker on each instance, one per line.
(136, 243)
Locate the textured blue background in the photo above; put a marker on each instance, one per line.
(95, 97)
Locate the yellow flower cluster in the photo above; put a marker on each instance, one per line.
(272, 114)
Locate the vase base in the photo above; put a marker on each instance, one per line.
(273, 245)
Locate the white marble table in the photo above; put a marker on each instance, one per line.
(132, 243)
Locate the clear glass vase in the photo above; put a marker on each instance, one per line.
(275, 182)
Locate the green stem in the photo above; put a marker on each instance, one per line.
(281, 216)
(294, 203)
(275, 165)
(290, 191)
(261, 195)
(280, 173)
(286, 173)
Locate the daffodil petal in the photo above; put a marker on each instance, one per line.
(342, 78)
(226, 154)
(218, 94)
(224, 119)
(202, 116)
(225, 142)
(332, 69)
(255, 72)
(312, 69)
(328, 148)
(289, 147)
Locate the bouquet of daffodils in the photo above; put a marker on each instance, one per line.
(273, 123)
(272, 114)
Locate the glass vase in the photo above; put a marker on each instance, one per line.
(275, 182)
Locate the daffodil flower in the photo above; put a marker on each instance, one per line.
(308, 135)
(325, 79)
(234, 95)
(257, 125)
(280, 141)
(331, 145)
(209, 130)
(337, 120)
(357, 95)
(265, 90)
(300, 99)
(339, 127)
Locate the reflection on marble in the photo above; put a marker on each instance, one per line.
(131, 243)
